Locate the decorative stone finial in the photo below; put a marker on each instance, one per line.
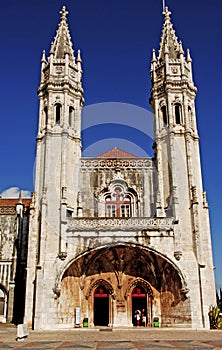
(79, 57)
(166, 13)
(189, 59)
(154, 56)
(181, 47)
(63, 13)
(43, 56)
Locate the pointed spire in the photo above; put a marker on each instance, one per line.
(189, 62)
(43, 56)
(20, 198)
(153, 56)
(181, 48)
(79, 60)
(189, 59)
(62, 43)
(19, 205)
(169, 42)
(43, 60)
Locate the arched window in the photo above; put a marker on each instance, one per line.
(177, 107)
(58, 112)
(164, 115)
(71, 114)
(118, 204)
(46, 115)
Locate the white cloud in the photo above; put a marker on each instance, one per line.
(13, 192)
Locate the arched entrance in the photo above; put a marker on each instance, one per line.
(101, 306)
(139, 306)
(104, 284)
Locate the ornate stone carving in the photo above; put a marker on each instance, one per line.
(59, 69)
(178, 254)
(112, 224)
(101, 281)
(7, 210)
(174, 70)
(57, 292)
(139, 163)
(184, 290)
(141, 282)
(62, 255)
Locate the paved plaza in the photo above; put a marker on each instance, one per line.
(110, 339)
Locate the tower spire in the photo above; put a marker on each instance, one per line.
(169, 42)
(62, 43)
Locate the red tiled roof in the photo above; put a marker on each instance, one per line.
(116, 153)
(11, 202)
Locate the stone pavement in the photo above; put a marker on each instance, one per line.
(112, 339)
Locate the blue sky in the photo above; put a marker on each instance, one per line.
(116, 39)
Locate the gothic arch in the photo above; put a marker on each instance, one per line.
(102, 282)
(93, 253)
(142, 283)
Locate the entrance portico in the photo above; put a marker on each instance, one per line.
(110, 283)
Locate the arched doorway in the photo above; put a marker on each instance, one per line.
(2, 305)
(139, 306)
(122, 269)
(101, 306)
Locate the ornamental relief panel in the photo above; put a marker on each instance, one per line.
(7, 236)
(72, 74)
(159, 73)
(113, 163)
(113, 224)
(46, 73)
(59, 69)
(174, 70)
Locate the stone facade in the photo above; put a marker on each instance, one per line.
(117, 233)
(14, 222)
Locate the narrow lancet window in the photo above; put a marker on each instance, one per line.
(71, 114)
(46, 115)
(177, 113)
(58, 113)
(164, 115)
(190, 116)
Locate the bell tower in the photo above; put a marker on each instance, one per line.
(177, 142)
(58, 151)
(180, 192)
(59, 133)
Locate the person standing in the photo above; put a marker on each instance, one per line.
(143, 317)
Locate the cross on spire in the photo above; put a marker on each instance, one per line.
(63, 13)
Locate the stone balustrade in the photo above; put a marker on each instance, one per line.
(121, 224)
(140, 163)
